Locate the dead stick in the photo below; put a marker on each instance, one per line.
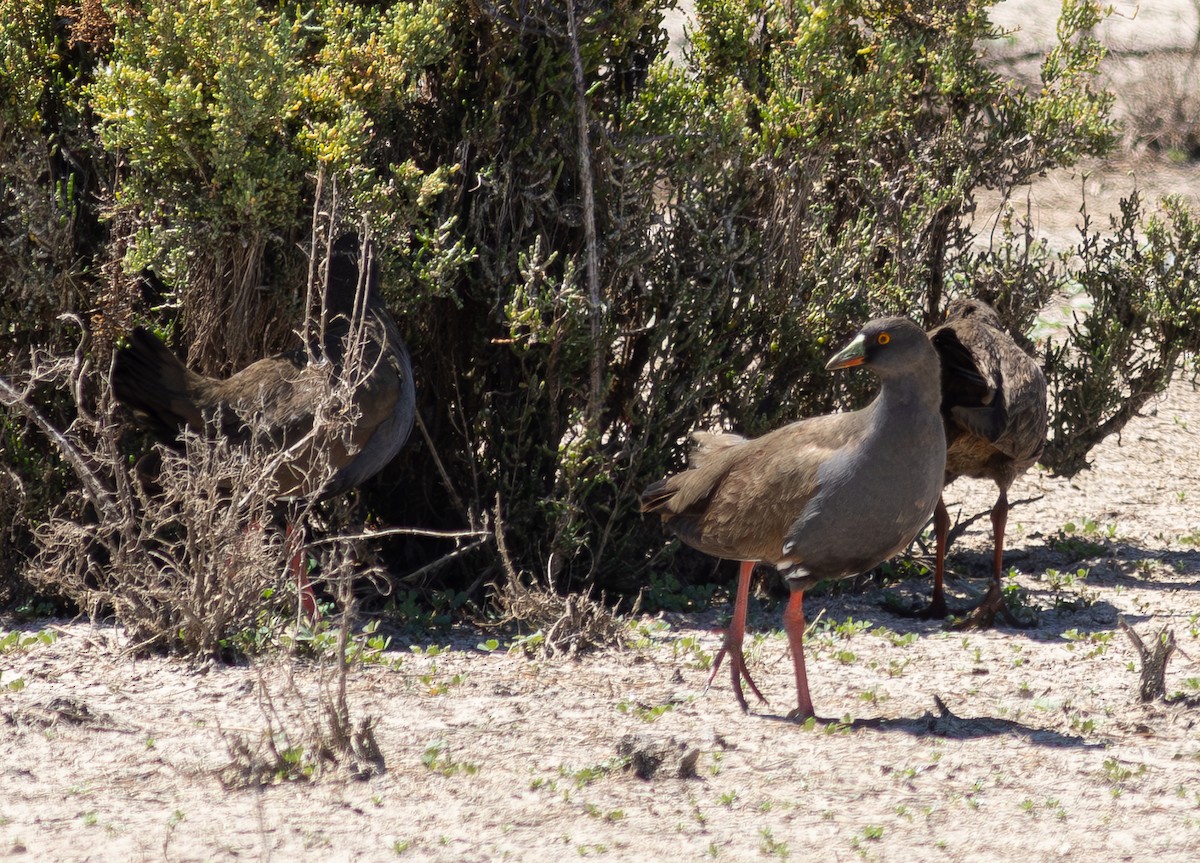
(1153, 682)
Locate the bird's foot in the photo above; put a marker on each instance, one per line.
(798, 715)
(802, 716)
(984, 615)
(933, 611)
(737, 673)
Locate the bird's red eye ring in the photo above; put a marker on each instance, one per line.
(883, 338)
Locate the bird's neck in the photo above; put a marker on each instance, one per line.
(923, 390)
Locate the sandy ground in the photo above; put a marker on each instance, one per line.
(1039, 749)
(1046, 753)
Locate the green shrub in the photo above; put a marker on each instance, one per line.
(592, 248)
(1143, 282)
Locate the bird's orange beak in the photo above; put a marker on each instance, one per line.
(854, 354)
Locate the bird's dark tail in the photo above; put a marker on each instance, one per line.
(656, 496)
(152, 382)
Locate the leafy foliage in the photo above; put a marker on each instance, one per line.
(592, 247)
(1142, 280)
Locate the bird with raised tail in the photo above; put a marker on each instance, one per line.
(826, 497)
(995, 412)
(276, 401)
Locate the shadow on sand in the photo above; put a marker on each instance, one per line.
(949, 725)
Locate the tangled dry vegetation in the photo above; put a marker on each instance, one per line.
(182, 559)
(189, 549)
(183, 547)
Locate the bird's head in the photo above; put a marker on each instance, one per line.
(975, 310)
(886, 346)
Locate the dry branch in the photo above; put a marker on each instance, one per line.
(569, 624)
(596, 360)
(1153, 683)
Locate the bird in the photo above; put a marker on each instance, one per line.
(827, 497)
(276, 401)
(995, 414)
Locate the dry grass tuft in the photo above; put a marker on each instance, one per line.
(568, 625)
(559, 625)
(302, 738)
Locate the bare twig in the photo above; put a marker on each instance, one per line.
(589, 218)
(96, 490)
(402, 531)
(311, 281)
(1153, 683)
(960, 527)
(443, 560)
(441, 469)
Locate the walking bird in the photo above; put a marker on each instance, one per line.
(827, 497)
(994, 410)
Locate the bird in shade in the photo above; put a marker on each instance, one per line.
(995, 414)
(275, 401)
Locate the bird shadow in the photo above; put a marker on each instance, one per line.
(1047, 612)
(946, 724)
(1036, 623)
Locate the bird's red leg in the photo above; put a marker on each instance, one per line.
(999, 523)
(733, 640)
(985, 613)
(793, 624)
(941, 528)
(309, 612)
